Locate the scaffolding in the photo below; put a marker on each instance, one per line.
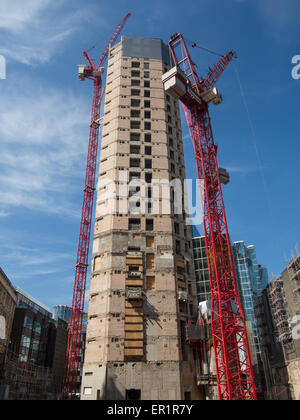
(25, 380)
(280, 315)
(199, 335)
(294, 275)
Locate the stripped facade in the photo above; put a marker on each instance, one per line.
(142, 290)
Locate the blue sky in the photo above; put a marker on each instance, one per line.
(45, 111)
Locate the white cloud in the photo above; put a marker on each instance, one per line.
(30, 257)
(4, 213)
(242, 169)
(31, 31)
(16, 15)
(44, 140)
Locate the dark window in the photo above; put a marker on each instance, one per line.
(133, 394)
(134, 224)
(170, 130)
(135, 113)
(148, 150)
(135, 124)
(135, 64)
(148, 177)
(168, 98)
(149, 224)
(147, 93)
(135, 92)
(134, 175)
(135, 136)
(134, 163)
(148, 138)
(133, 249)
(148, 163)
(187, 396)
(135, 82)
(146, 74)
(147, 125)
(146, 83)
(147, 114)
(135, 73)
(147, 104)
(135, 102)
(135, 149)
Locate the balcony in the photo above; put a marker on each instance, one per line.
(134, 293)
(134, 274)
(206, 379)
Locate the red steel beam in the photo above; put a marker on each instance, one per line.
(233, 364)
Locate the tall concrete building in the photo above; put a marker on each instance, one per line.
(142, 289)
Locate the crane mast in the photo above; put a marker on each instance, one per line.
(233, 365)
(93, 72)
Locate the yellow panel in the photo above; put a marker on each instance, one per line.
(187, 380)
(134, 327)
(150, 261)
(133, 311)
(135, 344)
(150, 280)
(150, 241)
(134, 261)
(133, 352)
(97, 262)
(180, 262)
(133, 282)
(134, 304)
(134, 335)
(133, 319)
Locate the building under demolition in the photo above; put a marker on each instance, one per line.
(142, 290)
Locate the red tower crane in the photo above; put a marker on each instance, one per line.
(233, 365)
(92, 72)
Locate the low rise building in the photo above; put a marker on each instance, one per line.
(8, 301)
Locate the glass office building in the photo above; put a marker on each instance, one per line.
(62, 312)
(252, 278)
